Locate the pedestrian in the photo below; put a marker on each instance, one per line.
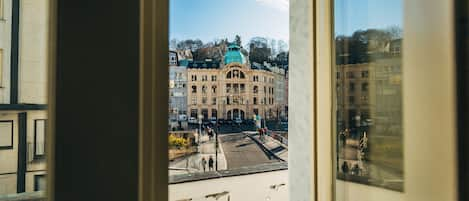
(345, 167)
(203, 162)
(356, 170)
(210, 133)
(210, 164)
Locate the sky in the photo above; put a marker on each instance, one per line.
(353, 15)
(216, 19)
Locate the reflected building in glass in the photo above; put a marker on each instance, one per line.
(369, 108)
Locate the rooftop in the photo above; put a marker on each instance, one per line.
(203, 64)
(234, 55)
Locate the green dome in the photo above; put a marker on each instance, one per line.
(234, 55)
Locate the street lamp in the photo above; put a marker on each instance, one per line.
(216, 149)
(200, 124)
(217, 126)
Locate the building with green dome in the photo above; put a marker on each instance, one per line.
(233, 88)
(234, 55)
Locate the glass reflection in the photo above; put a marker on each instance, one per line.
(368, 95)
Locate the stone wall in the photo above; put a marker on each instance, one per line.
(35, 196)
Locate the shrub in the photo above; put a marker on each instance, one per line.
(177, 142)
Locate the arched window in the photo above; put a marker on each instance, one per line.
(255, 89)
(228, 76)
(194, 89)
(214, 89)
(241, 75)
(204, 89)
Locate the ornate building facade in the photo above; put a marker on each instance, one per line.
(231, 89)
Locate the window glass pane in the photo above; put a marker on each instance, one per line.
(368, 99)
(23, 96)
(39, 137)
(39, 182)
(237, 125)
(6, 135)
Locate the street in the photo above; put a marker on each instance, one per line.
(193, 163)
(236, 150)
(241, 151)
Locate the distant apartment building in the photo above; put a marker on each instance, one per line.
(232, 89)
(177, 92)
(281, 94)
(370, 93)
(177, 97)
(23, 95)
(173, 58)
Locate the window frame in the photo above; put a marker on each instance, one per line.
(311, 168)
(36, 155)
(36, 181)
(11, 146)
(421, 183)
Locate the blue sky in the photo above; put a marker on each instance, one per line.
(214, 19)
(352, 15)
(211, 19)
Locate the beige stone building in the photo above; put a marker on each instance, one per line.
(23, 95)
(371, 94)
(230, 89)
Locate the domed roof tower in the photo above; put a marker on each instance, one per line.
(234, 55)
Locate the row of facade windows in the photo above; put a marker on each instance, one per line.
(230, 75)
(364, 74)
(38, 146)
(204, 78)
(255, 78)
(351, 86)
(205, 111)
(351, 99)
(234, 100)
(235, 88)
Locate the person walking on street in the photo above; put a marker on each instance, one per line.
(356, 170)
(203, 163)
(345, 167)
(210, 164)
(210, 133)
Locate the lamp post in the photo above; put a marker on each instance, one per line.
(216, 149)
(200, 124)
(216, 134)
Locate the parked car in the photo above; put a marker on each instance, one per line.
(213, 120)
(238, 120)
(249, 121)
(182, 117)
(221, 121)
(192, 120)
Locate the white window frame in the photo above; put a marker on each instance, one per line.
(430, 169)
(37, 142)
(8, 134)
(430, 159)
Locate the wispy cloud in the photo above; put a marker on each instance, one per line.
(277, 4)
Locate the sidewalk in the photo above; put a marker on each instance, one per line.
(193, 163)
